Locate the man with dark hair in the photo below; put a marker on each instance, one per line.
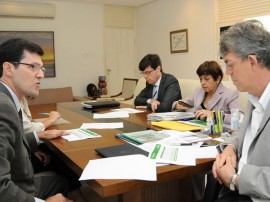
(21, 71)
(244, 164)
(161, 89)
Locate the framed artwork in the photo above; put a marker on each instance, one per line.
(44, 39)
(179, 41)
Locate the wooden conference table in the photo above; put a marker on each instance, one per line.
(172, 182)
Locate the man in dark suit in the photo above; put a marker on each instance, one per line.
(21, 71)
(161, 89)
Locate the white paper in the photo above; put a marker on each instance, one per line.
(111, 115)
(179, 155)
(121, 167)
(79, 134)
(206, 152)
(128, 110)
(102, 125)
(219, 139)
(58, 121)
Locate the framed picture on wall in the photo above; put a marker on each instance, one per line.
(44, 39)
(179, 41)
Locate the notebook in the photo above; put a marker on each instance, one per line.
(100, 104)
(120, 150)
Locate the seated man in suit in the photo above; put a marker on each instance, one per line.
(161, 89)
(21, 71)
(243, 167)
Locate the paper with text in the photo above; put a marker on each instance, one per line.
(79, 134)
(102, 125)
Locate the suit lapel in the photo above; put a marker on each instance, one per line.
(216, 97)
(5, 90)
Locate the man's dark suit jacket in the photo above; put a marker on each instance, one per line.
(169, 91)
(16, 172)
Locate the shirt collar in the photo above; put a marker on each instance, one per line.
(264, 99)
(14, 96)
(158, 81)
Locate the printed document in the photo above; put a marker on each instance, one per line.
(102, 125)
(179, 155)
(111, 115)
(79, 134)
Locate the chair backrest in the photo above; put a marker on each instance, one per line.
(53, 95)
(243, 96)
(187, 86)
(139, 87)
(128, 88)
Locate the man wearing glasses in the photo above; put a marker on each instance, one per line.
(244, 165)
(21, 71)
(161, 89)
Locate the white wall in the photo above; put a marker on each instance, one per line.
(156, 20)
(79, 52)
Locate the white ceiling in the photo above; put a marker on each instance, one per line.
(110, 2)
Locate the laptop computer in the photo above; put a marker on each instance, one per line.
(100, 104)
(120, 150)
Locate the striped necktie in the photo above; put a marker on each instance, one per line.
(155, 95)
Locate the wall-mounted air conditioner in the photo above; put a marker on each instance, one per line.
(27, 10)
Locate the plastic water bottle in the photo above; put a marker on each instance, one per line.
(234, 119)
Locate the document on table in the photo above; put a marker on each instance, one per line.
(102, 125)
(179, 155)
(128, 110)
(206, 152)
(79, 134)
(58, 121)
(122, 167)
(111, 115)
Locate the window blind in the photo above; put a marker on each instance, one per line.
(235, 10)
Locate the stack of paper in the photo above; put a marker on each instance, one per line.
(175, 125)
(142, 137)
(170, 116)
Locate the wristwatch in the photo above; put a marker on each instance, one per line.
(232, 182)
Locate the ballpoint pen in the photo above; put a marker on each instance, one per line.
(44, 113)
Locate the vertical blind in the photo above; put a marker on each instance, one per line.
(235, 10)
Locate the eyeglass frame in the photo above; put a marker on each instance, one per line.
(35, 67)
(147, 72)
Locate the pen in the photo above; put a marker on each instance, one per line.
(44, 113)
(182, 144)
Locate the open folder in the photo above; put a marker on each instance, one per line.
(175, 125)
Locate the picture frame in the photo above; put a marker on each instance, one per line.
(179, 41)
(45, 39)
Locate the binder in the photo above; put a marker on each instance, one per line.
(141, 137)
(120, 150)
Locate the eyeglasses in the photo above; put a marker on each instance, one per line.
(230, 65)
(147, 72)
(35, 67)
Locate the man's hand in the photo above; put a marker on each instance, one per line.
(51, 134)
(154, 104)
(53, 117)
(226, 172)
(222, 160)
(58, 198)
(43, 157)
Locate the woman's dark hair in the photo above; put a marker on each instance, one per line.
(210, 68)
